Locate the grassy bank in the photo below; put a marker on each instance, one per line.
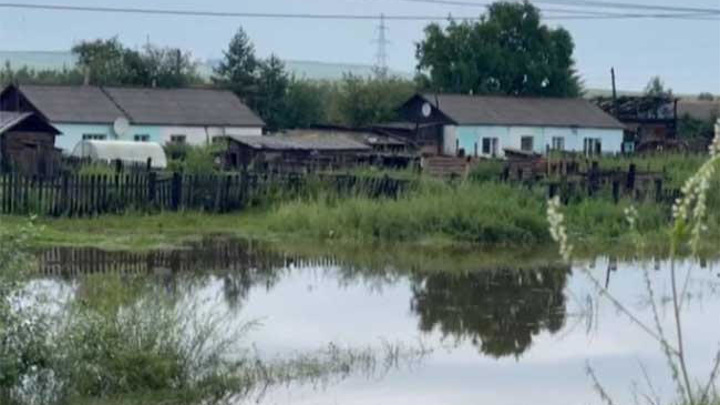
(436, 214)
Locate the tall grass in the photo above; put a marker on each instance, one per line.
(486, 213)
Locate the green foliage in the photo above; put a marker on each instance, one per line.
(193, 159)
(307, 103)
(273, 83)
(485, 213)
(364, 101)
(656, 88)
(25, 75)
(110, 63)
(487, 170)
(508, 52)
(239, 67)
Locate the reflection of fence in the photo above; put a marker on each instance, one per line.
(82, 195)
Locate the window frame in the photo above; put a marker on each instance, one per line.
(557, 143)
(142, 137)
(524, 139)
(94, 137)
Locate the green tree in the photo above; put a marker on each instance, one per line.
(508, 52)
(269, 101)
(168, 67)
(363, 101)
(306, 103)
(107, 62)
(26, 75)
(656, 88)
(706, 96)
(239, 68)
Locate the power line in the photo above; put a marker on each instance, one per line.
(224, 14)
(582, 4)
(308, 16)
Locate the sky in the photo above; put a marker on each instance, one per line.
(685, 53)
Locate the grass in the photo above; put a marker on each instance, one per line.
(434, 214)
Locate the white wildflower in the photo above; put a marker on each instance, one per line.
(558, 231)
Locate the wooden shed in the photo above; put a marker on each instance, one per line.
(291, 154)
(27, 144)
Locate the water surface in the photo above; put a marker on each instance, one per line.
(503, 329)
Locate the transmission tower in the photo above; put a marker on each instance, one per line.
(381, 68)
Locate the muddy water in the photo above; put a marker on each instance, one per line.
(502, 329)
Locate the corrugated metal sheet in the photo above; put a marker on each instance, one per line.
(283, 143)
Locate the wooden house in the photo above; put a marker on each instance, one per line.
(650, 121)
(27, 144)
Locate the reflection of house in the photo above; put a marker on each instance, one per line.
(485, 126)
(191, 116)
(27, 144)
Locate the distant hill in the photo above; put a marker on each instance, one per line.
(57, 60)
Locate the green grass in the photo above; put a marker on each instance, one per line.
(436, 214)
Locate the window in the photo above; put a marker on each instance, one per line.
(490, 146)
(179, 139)
(142, 138)
(527, 143)
(592, 146)
(94, 137)
(558, 143)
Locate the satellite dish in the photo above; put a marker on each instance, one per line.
(426, 110)
(121, 126)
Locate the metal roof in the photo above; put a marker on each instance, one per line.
(186, 107)
(520, 111)
(284, 143)
(75, 104)
(132, 152)
(11, 119)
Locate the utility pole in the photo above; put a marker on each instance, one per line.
(381, 69)
(614, 92)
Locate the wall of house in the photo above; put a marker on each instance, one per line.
(30, 153)
(511, 136)
(72, 134)
(450, 134)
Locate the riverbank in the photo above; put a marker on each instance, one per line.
(438, 215)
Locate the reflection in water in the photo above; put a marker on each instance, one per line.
(499, 311)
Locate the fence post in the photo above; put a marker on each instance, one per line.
(152, 187)
(658, 190)
(631, 177)
(616, 191)
(552, 190)
(176, 191)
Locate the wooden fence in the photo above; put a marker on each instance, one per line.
(87, 195)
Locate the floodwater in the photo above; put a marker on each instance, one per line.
(507, 328)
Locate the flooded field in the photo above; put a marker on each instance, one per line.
(493, 328)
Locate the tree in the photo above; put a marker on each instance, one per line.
(109, 63)
(656, 88)
(306, 103)
(25, 75)
(705, 96)
(272, 88)
(238, 70)
(168, 67)
(364, 101)
(507, 52)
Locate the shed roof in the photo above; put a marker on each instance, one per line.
(132, 152)
(11, 119)
(190, 107)
(288, 143)
(346, 136)
(521, 111)
(704, 110)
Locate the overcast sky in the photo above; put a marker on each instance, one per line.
(685, 53)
